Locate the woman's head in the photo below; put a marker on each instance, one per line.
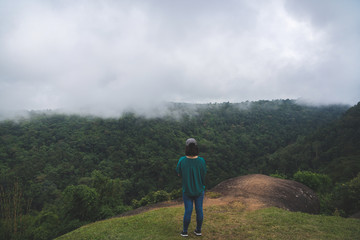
(191, 148)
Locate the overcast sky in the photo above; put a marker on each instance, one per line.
(104, 56)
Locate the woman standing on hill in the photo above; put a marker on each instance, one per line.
(192, 169)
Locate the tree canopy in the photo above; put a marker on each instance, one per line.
(74, 169)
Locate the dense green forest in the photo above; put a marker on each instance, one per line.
(333, 152)
(58, 172)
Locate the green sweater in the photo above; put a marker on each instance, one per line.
(193, 173)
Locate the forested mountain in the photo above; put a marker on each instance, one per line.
(333, 150)
(58, 171)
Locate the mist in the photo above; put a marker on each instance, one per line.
(108, 57)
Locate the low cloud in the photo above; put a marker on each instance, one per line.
(104, 57)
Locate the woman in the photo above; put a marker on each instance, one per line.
(192, 169)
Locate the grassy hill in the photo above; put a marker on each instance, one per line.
(229, 221)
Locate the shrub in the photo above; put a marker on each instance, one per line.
(278, 175)
(135, 203)
(81, 202)
(161, 196)
(176, 194)
(121, 209)
(346, 196)
(213, 194)
(320, 183)
(150, 198)
(105, 212)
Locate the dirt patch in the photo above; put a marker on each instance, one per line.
(258, 191)
(254, 191)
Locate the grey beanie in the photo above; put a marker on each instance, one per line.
(191, 140)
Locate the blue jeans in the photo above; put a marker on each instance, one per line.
(188, 203)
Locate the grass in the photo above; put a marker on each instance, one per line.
(213, 194)
(222, 222)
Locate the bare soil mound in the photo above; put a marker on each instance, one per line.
(254, 191)
(258, 191)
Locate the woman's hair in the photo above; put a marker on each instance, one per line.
(191, 150)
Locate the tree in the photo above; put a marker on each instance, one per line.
(80, 202)
(13, 208)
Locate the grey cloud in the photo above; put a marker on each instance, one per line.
(103, 57)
